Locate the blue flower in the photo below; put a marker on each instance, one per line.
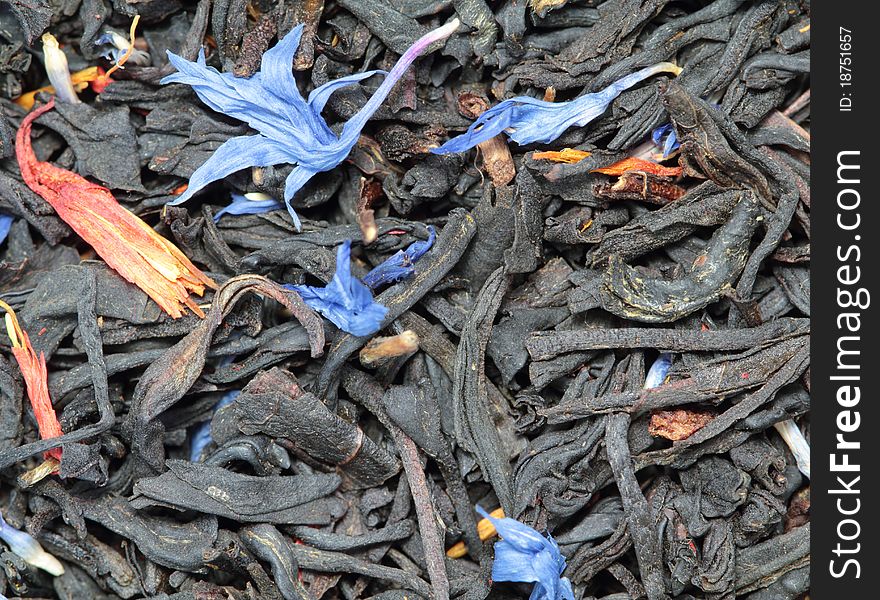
(291, 130)
(400, 265)
(664, 137)
(29, 549)
(119, 45)
(345, 301)
(657, 373)
(248, 204)
(526, 556)
(113, 53)
(527, 121)
(5, 225)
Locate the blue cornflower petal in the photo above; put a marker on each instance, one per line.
(119, 46)
(5, 225)
(664, 137)
(513, 565)
(401, 264)
(291, 129)
(658, 133)
(658, 371)
(242, 205)
(235, 154)
(276, 74)
(199, 440)
(283, 118)
(297, 178)
(29, 549)
(113, 53)
(488, 125)
(345, 301)
(527, 120)
(104, 38)
(671, 144)
(319, 96)
(526, 556)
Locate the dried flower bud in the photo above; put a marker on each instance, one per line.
(56, 69)
(380, 350)
(366, 218)
(29, 549)
(796, 442)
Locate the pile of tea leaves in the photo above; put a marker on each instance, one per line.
(428, 299)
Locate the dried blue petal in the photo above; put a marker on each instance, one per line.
(5, 225)
(665, 138)
(291, 129)
(201, 433)
(29, 549)
(119, 45)
(658, 371)
(401, 265)
(244, 205)
(345, 301)
(526, 556)
(112, 53)
(527, 120)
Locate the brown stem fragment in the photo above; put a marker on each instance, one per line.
(431, 541)
(255, 43)
(638, 185)
(497, 159)
(307, 12)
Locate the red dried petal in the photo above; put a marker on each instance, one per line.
(33, 370)
(127, 244)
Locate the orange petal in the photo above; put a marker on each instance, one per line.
(87, 75)
(566, 155)
(126, 243)
(485, 530)
(122, 59)
(638, 164)
(33, 370)
(101, 81)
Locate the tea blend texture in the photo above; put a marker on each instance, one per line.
(404, 300)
